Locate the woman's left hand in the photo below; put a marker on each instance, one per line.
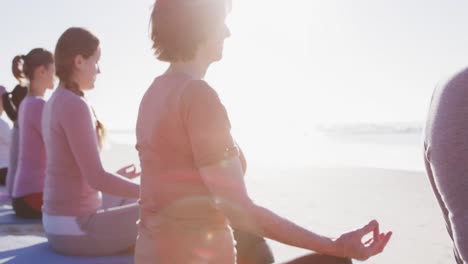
(129, 171)
(350, 244)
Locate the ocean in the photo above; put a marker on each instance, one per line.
(387, 146)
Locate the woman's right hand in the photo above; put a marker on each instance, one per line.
(129, 172)
(350, 245)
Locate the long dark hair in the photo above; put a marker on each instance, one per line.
(73, 42)
(12, 100)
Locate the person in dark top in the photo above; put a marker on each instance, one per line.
(12, 100)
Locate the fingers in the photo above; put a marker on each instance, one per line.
(372, 226)
(125, 168)
(128, 171)
(376, 232)
(378, 245)
(370, 240)
(133, 169)
(134, 173)
(131, 166)
(384, 240)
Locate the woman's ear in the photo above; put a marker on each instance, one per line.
(40, 71)
(79, 62)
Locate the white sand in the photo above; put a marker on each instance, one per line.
(334, 200)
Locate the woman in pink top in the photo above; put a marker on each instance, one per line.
(192, 171)
(38, 69)
(76, 221)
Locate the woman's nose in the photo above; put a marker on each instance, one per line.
(227, 32)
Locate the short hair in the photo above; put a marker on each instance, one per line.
(178, 27)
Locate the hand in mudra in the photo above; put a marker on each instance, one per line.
(350, 244)
(129, 171)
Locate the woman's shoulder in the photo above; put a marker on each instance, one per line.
(68, 97)
(199, 89)
(198, 84)
(34, 101)
(31, 105)
(67, 101)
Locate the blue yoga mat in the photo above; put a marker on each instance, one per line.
(8, 217)
(34, 249)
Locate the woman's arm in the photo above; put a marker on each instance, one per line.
(81, 135)
(216, 156)
(224, 180)
(5, 134)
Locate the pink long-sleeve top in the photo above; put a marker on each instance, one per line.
(182, 126)
(74, 172)
(30, 173)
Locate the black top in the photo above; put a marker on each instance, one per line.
(11, 101)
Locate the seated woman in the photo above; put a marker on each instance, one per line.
(38, 69)
(192, 189)
(76, 222)
(5, 141)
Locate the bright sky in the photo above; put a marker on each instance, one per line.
(288, 64)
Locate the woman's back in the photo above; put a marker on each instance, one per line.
(30, 172)
(170, 179)
(66, 191)
(177, 212)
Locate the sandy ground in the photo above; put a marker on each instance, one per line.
(334, 200)
(330, 201)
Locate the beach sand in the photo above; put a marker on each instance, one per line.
(334, 200)
(330, 201)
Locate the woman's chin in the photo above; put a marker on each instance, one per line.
(91, 86)
(217, 58)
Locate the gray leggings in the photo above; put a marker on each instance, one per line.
(442, 204)
(446, 157)
(109, 231)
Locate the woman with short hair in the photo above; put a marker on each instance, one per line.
(192, 187)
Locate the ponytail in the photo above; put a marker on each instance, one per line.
(101, 131)
(17, 67)
(100, 128)
(23, 67)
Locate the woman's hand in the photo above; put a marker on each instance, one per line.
(350, 244)
(129, 172)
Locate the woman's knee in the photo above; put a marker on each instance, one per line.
(319, 259)
(87, 246)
